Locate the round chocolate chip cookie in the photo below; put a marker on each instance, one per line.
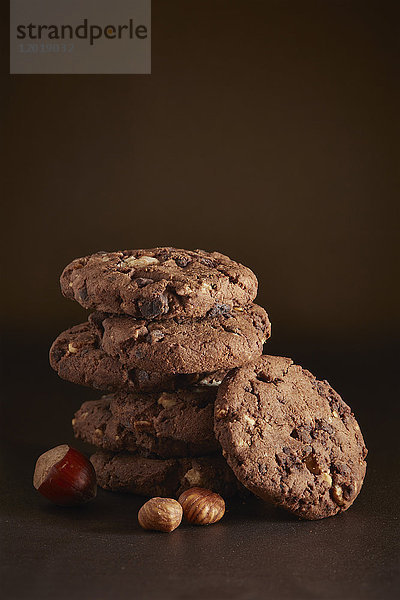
(166, 478)
(169, 424)
(149, 284)
(223, 340)
(77, 356)
(289, 438)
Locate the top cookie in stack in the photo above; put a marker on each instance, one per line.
(159, 283)
(166, 327)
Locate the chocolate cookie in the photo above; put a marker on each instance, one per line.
(223, 340)
(149, 284)
(77, 356)
(290, 438)
(169, 424)
(166, 478)
(94, 423)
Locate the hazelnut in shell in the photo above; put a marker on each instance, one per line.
(65, 476)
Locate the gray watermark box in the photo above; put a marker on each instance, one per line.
(80, 36)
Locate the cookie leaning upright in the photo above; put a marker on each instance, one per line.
(158, 282)
(289, 438)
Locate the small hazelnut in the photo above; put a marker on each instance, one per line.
(167, 400)
(221, 413)
(337, 494)
(249, 420)
(201, 506)
(327, 477)
(65, 476)
(141, 261)
(210, 382)
(193, 477)
(312, 464)
(160, 514)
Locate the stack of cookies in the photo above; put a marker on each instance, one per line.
(165, 328)
(176, 342)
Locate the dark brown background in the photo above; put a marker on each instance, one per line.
(268, 131)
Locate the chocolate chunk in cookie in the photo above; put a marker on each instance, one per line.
(150, 284)
(167, 478)
(290, 438)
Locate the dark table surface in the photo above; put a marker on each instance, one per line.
(99, 551)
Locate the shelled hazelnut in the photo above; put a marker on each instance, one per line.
(160, 514)
(201, 506)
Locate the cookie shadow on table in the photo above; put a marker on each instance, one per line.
(254, 509)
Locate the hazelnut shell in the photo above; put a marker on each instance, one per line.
(65, 476)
